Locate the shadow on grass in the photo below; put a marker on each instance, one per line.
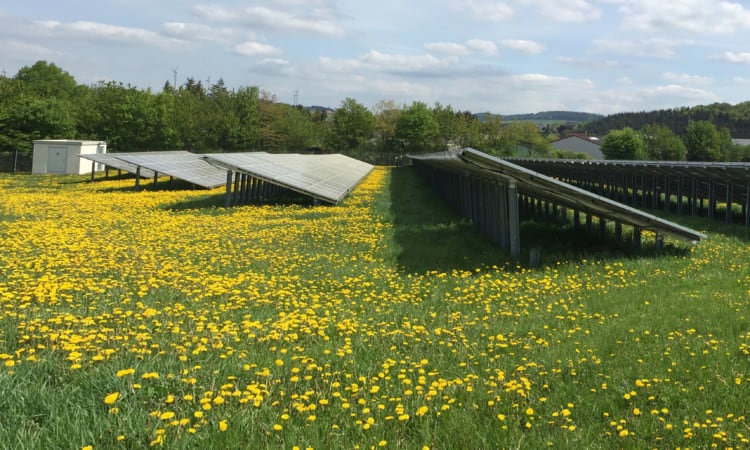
(429, 235)
(717, 225)
(433, 237)
(564, 242)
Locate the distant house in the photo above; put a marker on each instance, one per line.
(60, 156)
(580, 143)
(744, 142)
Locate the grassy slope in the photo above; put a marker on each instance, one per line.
(384, 321)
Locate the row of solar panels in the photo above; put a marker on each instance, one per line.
(483, 166)
(325, 177)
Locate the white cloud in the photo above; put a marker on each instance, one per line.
(196, 31)
(741, 80)
(679, 94)
(646, 48)
(625, 81)
(500, 11)
(683, 78)
(276, 67)
(18, 49)
(523, 46)
(569, 11)
(456, 49)
(447, 48)
(103, 31)
(252, 48)
(733, 57)
(482, 46)
(406, 63)
(583, 63)
(272, 19)
(693, 16)
(486, 10)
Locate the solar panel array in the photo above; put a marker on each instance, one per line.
(112, 160)
(179, 164)
(735, 173)
(328, 177)
(549, 189)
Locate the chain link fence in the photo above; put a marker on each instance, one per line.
(15, 162)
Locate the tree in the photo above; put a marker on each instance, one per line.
(296, 130)
(128, 117)
(244, 135)
(28, 117)
(352, 125)
(47, 80)
(662, 144)
(703, 142)
(416, 128)
(487, 135)
(519, 135)
(386, 115)
(451, 127)
(623, 144)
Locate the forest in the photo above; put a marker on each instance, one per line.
(735, 118)
(43, 101)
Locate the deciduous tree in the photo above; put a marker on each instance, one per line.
(416, 129)
(703, 142)
(623, 144)
(662, 144)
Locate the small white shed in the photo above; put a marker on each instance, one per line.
(60, 156)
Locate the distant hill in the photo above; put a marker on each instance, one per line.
(723, 115)
(546, 117)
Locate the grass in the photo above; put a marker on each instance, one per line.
(158, 318)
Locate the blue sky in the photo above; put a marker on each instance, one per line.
(506, 57)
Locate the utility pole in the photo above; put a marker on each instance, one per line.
(296, 97)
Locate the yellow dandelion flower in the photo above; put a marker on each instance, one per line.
(125, 372)
(223, 425)
(111, 398)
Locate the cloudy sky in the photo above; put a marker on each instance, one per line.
(508, 56)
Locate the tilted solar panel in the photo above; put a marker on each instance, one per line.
(111, 160)
(179, 164)
(326, 177)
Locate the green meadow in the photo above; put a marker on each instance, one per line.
(161, 319)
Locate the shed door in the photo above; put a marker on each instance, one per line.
(57, 158)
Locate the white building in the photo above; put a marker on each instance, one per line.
(60, 156)
(580, 144)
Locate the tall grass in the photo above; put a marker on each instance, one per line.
(160, 318)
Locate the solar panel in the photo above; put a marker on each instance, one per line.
(736, 173)
(111, 160)
(326, 177)
(179, 164)
(547, 188)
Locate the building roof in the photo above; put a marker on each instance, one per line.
(591, 139)
(66, 141)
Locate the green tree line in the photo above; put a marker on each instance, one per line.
(43, 101)
(735, 118)
(702, 142)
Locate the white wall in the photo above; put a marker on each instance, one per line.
(60, 156)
